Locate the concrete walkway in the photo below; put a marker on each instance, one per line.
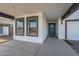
(51, 47)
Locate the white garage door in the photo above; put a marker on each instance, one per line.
(73, 30)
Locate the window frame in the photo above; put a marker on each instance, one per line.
(27, 19)
(1, 30)
(16, 26)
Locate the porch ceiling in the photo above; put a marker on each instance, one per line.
(51, 10)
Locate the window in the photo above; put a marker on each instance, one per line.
(1, 29)
(19, 26)
(32, 25)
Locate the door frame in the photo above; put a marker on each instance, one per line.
(67, 25)
(54, 29)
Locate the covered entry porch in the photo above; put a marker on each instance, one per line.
(51, 47)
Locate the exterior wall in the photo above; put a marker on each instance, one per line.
(5, 20)
(42, 29)
(61, 27)
(75, 15)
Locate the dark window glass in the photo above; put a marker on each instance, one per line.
(32, 25)
(1, 29)
(19, 26)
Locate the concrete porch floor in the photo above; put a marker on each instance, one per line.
(51, 47)
(75, 45)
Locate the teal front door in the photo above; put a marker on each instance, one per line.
(52, 29)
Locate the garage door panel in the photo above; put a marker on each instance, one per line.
(73, 30)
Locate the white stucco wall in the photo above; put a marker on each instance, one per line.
(73, 16)
(44, 27)
(5, 20)
(61, 27)
(41, 29)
